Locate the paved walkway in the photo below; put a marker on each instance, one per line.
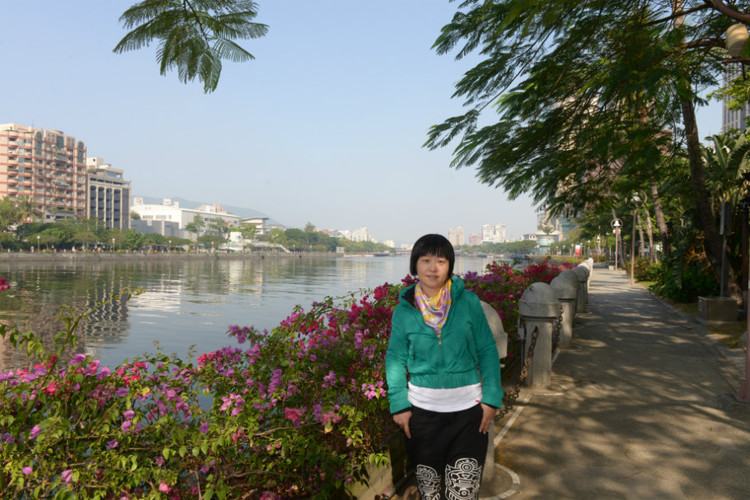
(640, 407)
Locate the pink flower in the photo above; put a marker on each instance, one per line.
(294, 414)
(35, 431)
(112, 444)
(67, 475)
(27, 470)
(204, 427)
(77, 359)
(164, 488)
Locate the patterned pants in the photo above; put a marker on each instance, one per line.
(448, 452)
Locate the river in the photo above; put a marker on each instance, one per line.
(187, 302)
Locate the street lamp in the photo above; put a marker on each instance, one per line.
(169, 249)
(37, 243)
(113, 244)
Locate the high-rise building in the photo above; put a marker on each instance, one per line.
(109, 194)
(734, 118)
(47, 166)
(493, 234)
(456, 237)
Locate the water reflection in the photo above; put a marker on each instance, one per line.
(186, 302)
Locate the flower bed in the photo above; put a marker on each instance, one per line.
(297, 412)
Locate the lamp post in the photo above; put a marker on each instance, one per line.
(37, 243)
(635, 200)
(169, 249)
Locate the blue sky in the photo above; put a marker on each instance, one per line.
(325, 126)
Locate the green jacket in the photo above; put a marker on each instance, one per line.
(465, 349)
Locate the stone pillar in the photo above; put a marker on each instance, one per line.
(583, 289)
(501, 339)
(565, 286)
(539, 308)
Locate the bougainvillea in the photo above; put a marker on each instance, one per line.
(295, 412)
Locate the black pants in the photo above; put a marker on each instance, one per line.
(448, 452)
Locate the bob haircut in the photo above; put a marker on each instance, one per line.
(432, 244)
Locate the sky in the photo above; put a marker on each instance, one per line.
(325, 126)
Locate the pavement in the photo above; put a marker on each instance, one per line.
(641, 406)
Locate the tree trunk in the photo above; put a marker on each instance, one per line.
(711, 238)
(650, 233)
(642, 242)
(661, 222)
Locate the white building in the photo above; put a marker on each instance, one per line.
(172, 212)
(493, 234)
(456, 237)
(108, 194)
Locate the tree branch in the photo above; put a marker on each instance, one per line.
(679, 14)
(727, 11)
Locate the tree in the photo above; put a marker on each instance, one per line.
(589, 98)
(195, 227)
(193, 35)
(248, 231)
(10, 214)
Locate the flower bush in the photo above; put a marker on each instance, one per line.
(297, 412)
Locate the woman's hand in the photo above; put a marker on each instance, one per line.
(402, 420)
(488, 416)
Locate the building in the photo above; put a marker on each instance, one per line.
(46, 166)
(456, 237)
(493, 234)
(734, 119)
(170, 211)
(108, 194)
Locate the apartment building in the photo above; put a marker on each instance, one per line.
(108, 194)
(47, 166)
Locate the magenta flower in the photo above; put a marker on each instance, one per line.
(160, 461)
(67, 475)
(77, 359)
(4, 284)
(27, 470)
(164, 488)
(204, 427)
(129, 414)
(35, 431)
(294, 415)
(126, 425)
(112, 444)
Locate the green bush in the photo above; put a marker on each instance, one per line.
(684, 282)
(645, 270)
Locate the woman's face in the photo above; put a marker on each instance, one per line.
(433, 273)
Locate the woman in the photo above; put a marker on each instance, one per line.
(443, 374)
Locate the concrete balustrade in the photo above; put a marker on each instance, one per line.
(565, 285)
(582, 273)
(501, 339)
(539, 308)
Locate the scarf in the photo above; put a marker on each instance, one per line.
(434, 309)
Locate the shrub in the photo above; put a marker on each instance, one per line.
(297, 412)
(645, 270)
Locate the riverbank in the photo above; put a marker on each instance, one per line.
(153, 256)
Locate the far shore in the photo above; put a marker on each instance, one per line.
(151, 256)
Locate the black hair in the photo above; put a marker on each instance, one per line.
(432, 244)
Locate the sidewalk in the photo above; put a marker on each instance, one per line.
(640, 407)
